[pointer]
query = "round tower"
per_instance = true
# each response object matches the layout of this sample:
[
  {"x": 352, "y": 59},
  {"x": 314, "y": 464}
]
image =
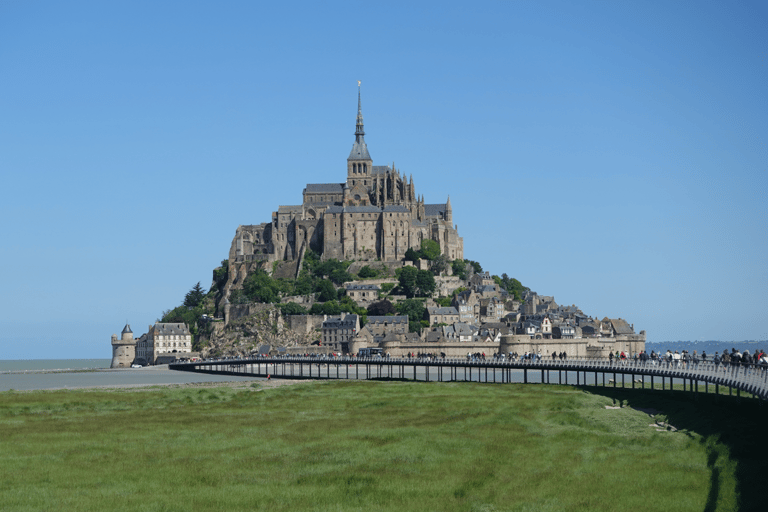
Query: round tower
[{"x": 123, "y": 349}]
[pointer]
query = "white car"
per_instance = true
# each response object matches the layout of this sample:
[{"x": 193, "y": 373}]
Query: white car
[{"x": 136, "y": 366}]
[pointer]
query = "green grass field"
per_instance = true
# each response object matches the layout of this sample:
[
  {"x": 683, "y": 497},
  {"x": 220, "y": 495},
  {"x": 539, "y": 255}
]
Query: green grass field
[{"x": 337, "y": 446}]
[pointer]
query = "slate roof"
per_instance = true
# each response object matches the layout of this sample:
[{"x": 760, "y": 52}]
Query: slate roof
[
  {"x": 388, "y": 319},
  {"x": 338, "y": 323},
  {"x": 363, "y": 287},
  {"x": 442, "y": 311},
  {"x": 324, "y": 188},
  {"x": 359, "y": 151},
  {"x": 296, "y": 208},
  {"x": 434, "y": 210},
  {"x": 165, "y": 329},
  {"x": 335, "y": 209},
  {"x": 362, "y": 209},
  {"x": 127, "y": 329},
  {"x": 380, "y": 169},
  {"x": 396, "y": 208},
  {"x": 620, "y": 326}
]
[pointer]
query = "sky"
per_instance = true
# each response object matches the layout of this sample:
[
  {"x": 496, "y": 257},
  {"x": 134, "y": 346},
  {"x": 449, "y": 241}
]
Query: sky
[{"x": 613, "y": 155}]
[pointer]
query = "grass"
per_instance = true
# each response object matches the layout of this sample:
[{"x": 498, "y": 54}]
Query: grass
[{"x": 337, "y": 446}]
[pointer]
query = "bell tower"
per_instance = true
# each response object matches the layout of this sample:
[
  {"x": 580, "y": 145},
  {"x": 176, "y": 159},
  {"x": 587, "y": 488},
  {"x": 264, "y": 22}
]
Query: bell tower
[{"x": 359, "y": 163}]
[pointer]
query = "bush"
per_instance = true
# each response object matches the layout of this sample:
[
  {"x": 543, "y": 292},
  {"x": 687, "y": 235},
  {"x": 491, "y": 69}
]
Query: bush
[{"x": 367, "y": 272}]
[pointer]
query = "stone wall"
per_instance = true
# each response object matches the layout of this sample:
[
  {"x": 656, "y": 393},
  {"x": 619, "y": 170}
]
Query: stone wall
[
  {"x": 306, "y": 323},
  {"x": 455, "y": 349},
  {"x": 579, "y": 347}
]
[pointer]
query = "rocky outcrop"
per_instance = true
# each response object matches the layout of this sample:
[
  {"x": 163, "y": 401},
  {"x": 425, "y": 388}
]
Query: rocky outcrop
[{"x": 252, "y": 326}]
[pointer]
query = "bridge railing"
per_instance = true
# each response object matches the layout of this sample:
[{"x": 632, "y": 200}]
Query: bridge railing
[{"x": 752, "y": 378}]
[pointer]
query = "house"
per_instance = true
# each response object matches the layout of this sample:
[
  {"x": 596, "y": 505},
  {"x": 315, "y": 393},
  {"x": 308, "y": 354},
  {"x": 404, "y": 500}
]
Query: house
[
  {"x": 442, "y": 315},
  {"x": 339, "y": 331},
  {"x": 459, "y": 332},
  {"x": 164, "y": 342},
  {"x": 363, "y": 292},
  {"x": 468, "y": 306},
  {"x": 380, "y": 326}
]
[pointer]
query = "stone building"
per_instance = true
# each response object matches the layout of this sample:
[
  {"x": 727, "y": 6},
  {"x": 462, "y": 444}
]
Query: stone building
[
  {"x": 123, "y": 349},
  {"x": 164, "y": 342},
  {"x": 375, "y": 215},
  {"x": 338, "y": 332}
]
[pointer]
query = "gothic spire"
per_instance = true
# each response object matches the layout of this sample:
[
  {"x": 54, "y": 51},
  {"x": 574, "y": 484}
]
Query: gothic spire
[
  {"x": 359, "y": 131},
  {"x": 359, "y": 148}
]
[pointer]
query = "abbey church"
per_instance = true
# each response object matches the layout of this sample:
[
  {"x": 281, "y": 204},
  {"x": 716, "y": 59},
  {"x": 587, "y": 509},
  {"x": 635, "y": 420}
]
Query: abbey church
[{"x": 375, "y": 215}]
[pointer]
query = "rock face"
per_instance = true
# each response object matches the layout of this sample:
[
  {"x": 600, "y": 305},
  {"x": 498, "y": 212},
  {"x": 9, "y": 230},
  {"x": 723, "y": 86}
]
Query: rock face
[{"x": 250, "y": 327}]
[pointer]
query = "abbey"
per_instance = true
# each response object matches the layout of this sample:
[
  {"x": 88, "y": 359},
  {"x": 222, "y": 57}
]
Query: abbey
[{"x": 375, "y": 215}]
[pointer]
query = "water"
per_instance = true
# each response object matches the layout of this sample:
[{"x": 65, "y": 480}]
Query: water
[
  {"x": 710, "y": 347},
  {"x": 15, "y": 365}
]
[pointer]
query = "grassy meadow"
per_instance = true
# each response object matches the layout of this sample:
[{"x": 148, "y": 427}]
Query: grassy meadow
[{"x": 338, "y": 446}]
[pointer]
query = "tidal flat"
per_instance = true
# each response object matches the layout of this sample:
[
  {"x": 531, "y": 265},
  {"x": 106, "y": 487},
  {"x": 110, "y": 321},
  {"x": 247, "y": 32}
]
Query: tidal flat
[{"x": 343, "y": 445}]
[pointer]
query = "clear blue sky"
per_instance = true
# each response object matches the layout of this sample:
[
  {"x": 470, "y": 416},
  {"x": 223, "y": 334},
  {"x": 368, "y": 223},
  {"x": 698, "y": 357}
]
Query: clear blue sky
[{"x": 612, "y": 154}]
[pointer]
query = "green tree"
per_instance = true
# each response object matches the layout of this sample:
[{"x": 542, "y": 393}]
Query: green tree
[
  {"x": 381, "y": 308},
  {"x": 367, "y": 272},
  {"x": 194, "y": 297},
  {"x": 425, "y": 283},
  {"x": 444, "y": 302},
  {"x": 438, "y": 265},
  {"x": 325, "y": 291},
  {"x": 340, "y": 276},
  {"x": 477, "y": 268},
  {"x": 411, "y": 255},
  {"x": 291, "y": 308},
  {"x": 221, "y": 274},
  {"x": 331, "y": 307},
  {"x": 407, "y": 280},
  {"x": 415, "y": 310},
  {"x": 303, "y": 285},
  {"x": 259, "y": 287},
  {"x": 459, "y": 268},
  {"x": 347, "y": 304},
  {"x": 429, "y": 249}
]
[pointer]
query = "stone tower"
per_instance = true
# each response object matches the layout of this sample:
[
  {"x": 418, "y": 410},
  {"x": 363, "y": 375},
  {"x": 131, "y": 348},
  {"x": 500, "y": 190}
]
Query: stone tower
[
  {"x": 359, "y": 163},
  {"x": 124, "y": 349}
]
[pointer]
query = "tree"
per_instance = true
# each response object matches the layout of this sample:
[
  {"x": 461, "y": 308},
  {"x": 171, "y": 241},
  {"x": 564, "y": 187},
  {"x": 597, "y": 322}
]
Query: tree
[
  {"x": 340, "y": 276},
  {"x": 459, "y": 268},
  {"x": 221, "y": 274},
  {"x": 291, "y": 308},
  {"x": 303, "y": 285},
  {"x": 411, "y": 255},
  {"x": 415, "y": 310},
  {"x": 478, "y": 269},
  {"x": 439, "y": 265},
  {"x": 259, "y": 287},
  {"x": 425, "y": 283},
  {"x": 325, "y": 291},
  {"x": 194, "y": 297},
  {"x": 407, "y": 280},
  {"x": 429, "y": 249},
  {"x": 367, "y": 272},
  {"x": 381, "y": 308}
]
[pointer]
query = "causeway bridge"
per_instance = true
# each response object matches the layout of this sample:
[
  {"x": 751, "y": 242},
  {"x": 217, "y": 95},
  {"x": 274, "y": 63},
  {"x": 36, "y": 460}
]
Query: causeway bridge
[{"x": 703, "y": 376}]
